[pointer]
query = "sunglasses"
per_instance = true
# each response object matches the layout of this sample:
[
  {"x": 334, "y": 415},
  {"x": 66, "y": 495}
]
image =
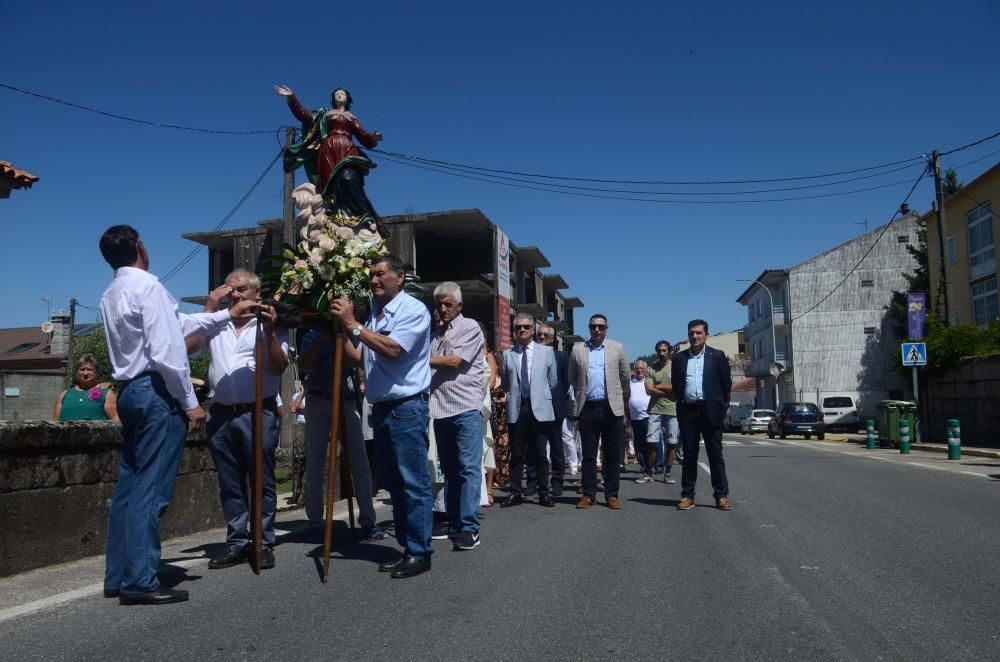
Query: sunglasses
[
  {"x": 598, "y": 326},
  {"x": 522, "y": 327},
  {"x": 545, "y": 335}
]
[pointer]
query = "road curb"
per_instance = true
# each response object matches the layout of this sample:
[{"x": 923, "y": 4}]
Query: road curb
[{"x": 943, "y": 448}]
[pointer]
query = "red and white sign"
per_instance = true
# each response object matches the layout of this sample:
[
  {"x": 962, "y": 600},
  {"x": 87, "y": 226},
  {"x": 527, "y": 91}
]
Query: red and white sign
[{"x": 503, "y": 290}]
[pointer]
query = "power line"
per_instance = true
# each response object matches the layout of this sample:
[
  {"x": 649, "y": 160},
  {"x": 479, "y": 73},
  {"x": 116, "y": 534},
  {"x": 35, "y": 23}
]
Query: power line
[
  {"x": 972, "y": 144},
  {"x": 870, "y": 248},
  {"x": 225, "y": 219},
  {"x": 129, "y": 119},
  {"x": 546, "y": 188}
]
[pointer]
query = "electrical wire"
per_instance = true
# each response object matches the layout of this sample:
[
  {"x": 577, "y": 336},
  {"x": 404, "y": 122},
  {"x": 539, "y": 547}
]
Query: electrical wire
[
  {"x": 545, "y": 188},
  {"x": 225, "y": 219},
  {"x": 972, "y": 144},
  {"x": 870, "y": 248},
  {"x": 130, "y": 119}
]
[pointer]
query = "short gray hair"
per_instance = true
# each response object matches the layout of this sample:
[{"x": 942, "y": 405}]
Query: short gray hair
[
  {"x": 640, "y": 362},
  {"x": 251, "y": 276},
  {"x": 449, "y": 287},
  {"x": 524, "y": 316}
]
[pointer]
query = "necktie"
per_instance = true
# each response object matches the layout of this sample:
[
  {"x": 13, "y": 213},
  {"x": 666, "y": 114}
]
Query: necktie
[{"x": 525, "y": 385}]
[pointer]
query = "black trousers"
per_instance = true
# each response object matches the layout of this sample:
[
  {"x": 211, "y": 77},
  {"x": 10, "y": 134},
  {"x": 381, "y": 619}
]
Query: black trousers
[
  {"x": 557, "y": 461},
  {"x": 695, "y": 426},
  {"x": 599, "y": 424},
  {"x": 527, "y": 444}
]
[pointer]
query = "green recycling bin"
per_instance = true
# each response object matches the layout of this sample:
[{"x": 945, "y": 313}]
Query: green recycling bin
[{"x": 888, "y": 413}]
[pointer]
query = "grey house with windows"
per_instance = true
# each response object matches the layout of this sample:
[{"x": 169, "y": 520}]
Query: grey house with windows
[{"x": 830, "y": 321}]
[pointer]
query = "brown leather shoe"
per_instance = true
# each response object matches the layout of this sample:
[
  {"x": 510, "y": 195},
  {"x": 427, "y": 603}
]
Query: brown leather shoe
[
  {"x": 614, "y": 503},
  {"x": 722, "y": 503},
  {"x": 685, "y": 504},
  {"x": 585, "y": 502}
]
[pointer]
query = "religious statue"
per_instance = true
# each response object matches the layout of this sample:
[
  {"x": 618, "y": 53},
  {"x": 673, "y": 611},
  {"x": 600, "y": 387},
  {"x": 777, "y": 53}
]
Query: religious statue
[{"x": 340, "y": 231}]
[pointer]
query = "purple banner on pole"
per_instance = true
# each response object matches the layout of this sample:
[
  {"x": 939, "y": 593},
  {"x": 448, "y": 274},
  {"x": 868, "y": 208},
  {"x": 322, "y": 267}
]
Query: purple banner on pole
[{"x": 916, "y": 314}]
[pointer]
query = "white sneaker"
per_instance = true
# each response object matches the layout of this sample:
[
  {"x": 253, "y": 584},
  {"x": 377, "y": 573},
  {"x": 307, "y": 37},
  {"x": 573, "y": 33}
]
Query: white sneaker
[
  {"x": 644, "y": 479},
  {"x": 668, "y": 479}
]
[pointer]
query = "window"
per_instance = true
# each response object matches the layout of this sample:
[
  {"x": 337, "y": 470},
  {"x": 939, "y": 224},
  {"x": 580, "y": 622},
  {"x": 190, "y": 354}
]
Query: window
[
  {"x": 952, "y": 252},
  {"x": 982, "y": 257},
  {"x": 867, "y": 283},
  {"x": 903, "y": 239},
  {"x": 838, "y": 402},
  {"x": 870, "y": 330},
  {"x": 23, "y": 347},
  {"x": 984, "y": 301}
]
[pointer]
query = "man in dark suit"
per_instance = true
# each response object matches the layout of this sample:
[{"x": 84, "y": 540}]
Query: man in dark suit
[{"x": 702, "y": 382}]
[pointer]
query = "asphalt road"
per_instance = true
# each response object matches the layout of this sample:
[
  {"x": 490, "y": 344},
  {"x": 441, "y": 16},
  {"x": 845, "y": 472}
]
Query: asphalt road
[{"x": 832, "y": 552}]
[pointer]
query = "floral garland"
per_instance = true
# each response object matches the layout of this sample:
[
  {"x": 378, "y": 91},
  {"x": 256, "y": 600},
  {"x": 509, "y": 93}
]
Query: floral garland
[{"x": 331, "y": 261}]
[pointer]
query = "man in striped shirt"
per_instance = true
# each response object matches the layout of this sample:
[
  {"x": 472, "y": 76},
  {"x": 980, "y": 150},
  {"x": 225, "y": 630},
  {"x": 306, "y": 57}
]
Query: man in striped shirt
[{"x": 456, "y": 404}]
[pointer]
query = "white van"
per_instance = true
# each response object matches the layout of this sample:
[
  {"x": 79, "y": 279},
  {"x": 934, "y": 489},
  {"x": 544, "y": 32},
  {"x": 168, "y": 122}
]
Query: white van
[{"x": 841, "y": 412}]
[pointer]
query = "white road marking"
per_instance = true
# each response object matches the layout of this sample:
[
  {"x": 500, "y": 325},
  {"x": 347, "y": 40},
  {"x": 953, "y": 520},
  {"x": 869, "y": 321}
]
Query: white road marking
[
  {"x": 705, "y": 467},
  {"x": 732, "y": 443},
  {"x": 765, "y": 443}
]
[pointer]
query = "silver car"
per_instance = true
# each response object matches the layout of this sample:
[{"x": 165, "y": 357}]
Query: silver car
[{"x": 757, "y": 421}]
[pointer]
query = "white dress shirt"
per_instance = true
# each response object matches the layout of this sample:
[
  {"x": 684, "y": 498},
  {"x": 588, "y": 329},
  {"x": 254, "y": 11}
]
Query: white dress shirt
[
  {"x": 232, "y": 372},
  {"x": 145, "y": 331}
]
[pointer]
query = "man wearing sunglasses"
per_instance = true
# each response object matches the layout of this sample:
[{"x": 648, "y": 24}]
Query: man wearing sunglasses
[
  {"x": 529, "y": 377},
  {"x": 600, "y": 376}
]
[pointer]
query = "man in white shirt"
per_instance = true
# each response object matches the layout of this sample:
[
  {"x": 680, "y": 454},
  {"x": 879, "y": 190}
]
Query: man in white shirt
[
  {"x": 157, "y": 408},
  {"x": 232, "y": 376}
]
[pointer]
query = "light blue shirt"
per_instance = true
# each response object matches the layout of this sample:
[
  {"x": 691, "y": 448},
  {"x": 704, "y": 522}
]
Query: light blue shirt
[
  {"x": 407, "y": 322},
  {"x": 694, "y": 389},
  {"x": 596, "y": 387}
]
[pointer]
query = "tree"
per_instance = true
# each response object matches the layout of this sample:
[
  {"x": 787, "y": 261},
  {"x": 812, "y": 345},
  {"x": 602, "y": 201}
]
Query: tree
[
  {"x": 950, "y": 183},
  {"x": 918, "y": 281}
]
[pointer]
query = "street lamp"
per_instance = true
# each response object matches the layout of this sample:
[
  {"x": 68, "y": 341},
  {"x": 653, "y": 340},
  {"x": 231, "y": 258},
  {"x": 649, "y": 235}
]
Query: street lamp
[{"x": 776, "y": 367}]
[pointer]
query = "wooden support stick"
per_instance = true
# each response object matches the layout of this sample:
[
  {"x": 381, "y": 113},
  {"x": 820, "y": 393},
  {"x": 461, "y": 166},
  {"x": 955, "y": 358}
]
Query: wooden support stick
[
  {"x": 331, "y": 466},
  {"x": 258, "y": 447}
]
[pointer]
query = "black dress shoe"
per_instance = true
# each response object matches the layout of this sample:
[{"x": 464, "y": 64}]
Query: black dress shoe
[
  {"x": 161, "y": 596},
  {"x": 546, "y": 501},
  {"x": 231, "y": 558},
  {"x": 512, "y": 500},
  {"x": 556, "y": 491},
  {"x": 266, "y": 558},
  {"x": 111, "y": 593},
  {"x": 391, "y": 566},
  {"x": 411, "y": 567}
]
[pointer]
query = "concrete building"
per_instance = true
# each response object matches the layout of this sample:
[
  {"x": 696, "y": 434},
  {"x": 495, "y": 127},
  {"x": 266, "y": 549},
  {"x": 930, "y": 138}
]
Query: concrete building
[
  {"x": 969, "y": 248},
  {"x": 831, "y": 344},
  {"x": 460, "y": 245}
]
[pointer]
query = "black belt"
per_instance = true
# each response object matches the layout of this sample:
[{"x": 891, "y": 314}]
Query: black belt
[
  {"x": 398, "y": 401},
  {"x": 242, "y": 408},
  {"x": 596, "y": 402}
]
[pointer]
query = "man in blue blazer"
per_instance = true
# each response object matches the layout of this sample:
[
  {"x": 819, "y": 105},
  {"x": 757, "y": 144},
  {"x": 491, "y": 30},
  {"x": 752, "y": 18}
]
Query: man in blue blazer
[
  {"x": 529, "y": 376},
  {"x": 702, "y": 382}
]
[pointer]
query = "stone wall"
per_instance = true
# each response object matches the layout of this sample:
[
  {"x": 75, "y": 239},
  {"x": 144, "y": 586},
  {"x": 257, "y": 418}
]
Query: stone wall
[
  {"x": 56, "y": 481},
  {"x": 969, "y": 392}
]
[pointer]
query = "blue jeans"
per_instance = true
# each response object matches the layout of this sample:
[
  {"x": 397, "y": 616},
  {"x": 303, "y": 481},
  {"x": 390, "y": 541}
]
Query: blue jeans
[
  {"x": 153, "y": 432},
  {"x": 401, "y": 446},
  {"x": 230, "y": 438},
  {"x": 460, "y": 449}
]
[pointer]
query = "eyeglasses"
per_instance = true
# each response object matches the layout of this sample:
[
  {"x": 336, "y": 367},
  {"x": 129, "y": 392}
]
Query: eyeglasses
[
  {"x": 598, "y": 326},
  {"x": 545, "y": 335},
  {"x": 522, "y": 327}
]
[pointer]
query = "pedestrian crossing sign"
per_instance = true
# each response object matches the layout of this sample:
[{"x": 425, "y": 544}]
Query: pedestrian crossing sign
[{"x": 914, "y": 353}]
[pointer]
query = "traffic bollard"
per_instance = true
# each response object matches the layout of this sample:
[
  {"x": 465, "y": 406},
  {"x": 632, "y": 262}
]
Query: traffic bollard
[
  {"x": 870, "y": 443},
  {"x": 904, "y": 437},
  {"x": 954, "y": 439}
]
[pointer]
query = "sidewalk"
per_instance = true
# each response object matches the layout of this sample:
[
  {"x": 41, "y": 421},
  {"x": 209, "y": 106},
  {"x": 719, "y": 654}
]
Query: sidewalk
[
  {"x": 967, "y": 451},
  {"x": 51, "y": 586}
]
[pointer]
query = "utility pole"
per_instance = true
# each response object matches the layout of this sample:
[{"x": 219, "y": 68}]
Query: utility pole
[
  {"x": 939, "y": 197},
  {"x": 69, "y": 341},
  {"x": 288, "y": 237}
]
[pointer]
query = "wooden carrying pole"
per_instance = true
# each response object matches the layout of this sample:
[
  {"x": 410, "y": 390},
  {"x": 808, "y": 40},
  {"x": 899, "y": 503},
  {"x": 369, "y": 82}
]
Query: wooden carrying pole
[
  {"x": 258, "y": 447},
  {"x": 331, "y": 464}
]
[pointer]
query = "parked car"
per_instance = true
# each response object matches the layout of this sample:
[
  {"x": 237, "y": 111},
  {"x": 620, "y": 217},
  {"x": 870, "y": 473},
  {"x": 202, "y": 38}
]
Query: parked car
[
  {"x": 757, "y": 421},
  {"x": 803, "y": 418},
  {"x": 734, "y": 417},
  {"x": 841, "y": 411}
]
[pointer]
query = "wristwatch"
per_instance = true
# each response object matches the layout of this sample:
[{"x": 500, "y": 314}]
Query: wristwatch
[{"x": 356, "y": 331}]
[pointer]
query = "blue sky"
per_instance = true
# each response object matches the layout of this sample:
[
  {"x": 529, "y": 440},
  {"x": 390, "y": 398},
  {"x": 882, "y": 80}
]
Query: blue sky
[{"x": 643, "y": 91}]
